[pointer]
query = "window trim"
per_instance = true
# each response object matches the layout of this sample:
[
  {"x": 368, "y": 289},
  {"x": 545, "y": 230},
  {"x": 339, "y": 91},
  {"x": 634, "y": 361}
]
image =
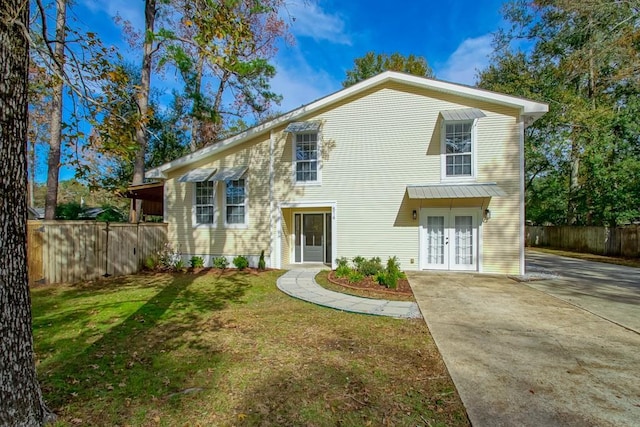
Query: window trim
[
  {"x": 245, "y": 224},
  {"x": 443, "y": 152},
  {"x": 294, "y": 144},
  {"x": 194, "y": 210}
]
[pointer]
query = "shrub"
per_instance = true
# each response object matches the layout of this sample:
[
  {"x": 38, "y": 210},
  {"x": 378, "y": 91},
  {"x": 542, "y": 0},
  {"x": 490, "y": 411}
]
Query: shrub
[
  {"x": 342, "y": 262},
  {"x": 221, "y": 262},
  {"x": 168, "y": 257},
  {"x": 355, "y": 276},
  {"x": 196, "y": 262},
  {"x": 179, "y": 265},
  {"x": 261, "y": 263},
  {"x": 393, "y": 267},
  {"x": 151, "y": 262},
  {"x": 357, "y": 262},
  {"x": 343, "y": 270},
  {"x": 241, "y": 262},
  {"x": 389, "y": 277},
  {"x": 370, "y": 267}
]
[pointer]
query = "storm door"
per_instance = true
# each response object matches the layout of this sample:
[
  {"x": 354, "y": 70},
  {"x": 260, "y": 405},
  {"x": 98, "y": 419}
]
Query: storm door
[{"x": 311, "y": 243}]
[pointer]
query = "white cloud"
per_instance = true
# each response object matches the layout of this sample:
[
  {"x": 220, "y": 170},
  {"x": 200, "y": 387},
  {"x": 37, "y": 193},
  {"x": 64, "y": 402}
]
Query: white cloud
[
  {"x": 128, "y": 10},
  {"x": 307, "y": 19},
  {"x": 298, "y": 82},
  {"x": 470, "y": 57}
]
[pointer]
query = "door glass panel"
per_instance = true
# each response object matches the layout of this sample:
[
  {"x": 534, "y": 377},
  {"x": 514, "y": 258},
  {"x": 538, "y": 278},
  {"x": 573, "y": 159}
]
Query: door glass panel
[
  {"x": 435, "y": 240},
  {"x": 463, "y": 240},
  {"x": 298, "y": 237},
  {"x": 313, "y": 236},
  {"x": 327, "y": 231}
]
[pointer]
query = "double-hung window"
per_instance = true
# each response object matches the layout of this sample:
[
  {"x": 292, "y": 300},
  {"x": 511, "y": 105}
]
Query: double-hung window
[
  {"x": 458, "y": 149},
  {"x": 236, "y": 202},
  {"x": 306, "y": 157},
  {"x": 205, "y": 202}
]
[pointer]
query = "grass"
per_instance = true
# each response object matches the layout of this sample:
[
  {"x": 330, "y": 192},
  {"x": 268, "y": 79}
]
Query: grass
[
  {"x": 322, "y": 279},
  {"x": 629, "y": 262},
  {"x": 204, "y": 349}
]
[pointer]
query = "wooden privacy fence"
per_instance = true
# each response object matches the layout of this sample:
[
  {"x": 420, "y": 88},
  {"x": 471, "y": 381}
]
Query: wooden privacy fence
[
  {"x": 619, "y": 241},
  {"x": 73, "y": 251}
]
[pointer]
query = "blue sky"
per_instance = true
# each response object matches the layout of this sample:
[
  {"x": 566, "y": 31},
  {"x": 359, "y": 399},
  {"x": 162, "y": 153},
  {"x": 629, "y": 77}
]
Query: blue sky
[{"x": 454, "y": 37}]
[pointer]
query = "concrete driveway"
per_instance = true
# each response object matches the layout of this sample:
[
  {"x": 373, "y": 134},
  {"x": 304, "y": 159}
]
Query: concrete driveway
[
  {"x": 521, "y": 357},
  {"x": 607, "y": 290}
]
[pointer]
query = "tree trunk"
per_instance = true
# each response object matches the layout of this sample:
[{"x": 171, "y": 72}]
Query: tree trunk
[
  {"x": 142, "y": 99},
  {"x": 574, "y": 184},
  {"x": 55, "y": 141},
  {"x": 21, "y": 401},
  {"x": 197, "y": 140}
]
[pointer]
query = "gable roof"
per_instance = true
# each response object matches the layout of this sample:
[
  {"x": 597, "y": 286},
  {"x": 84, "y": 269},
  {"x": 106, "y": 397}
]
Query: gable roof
[{"x": 529, "y": 111}]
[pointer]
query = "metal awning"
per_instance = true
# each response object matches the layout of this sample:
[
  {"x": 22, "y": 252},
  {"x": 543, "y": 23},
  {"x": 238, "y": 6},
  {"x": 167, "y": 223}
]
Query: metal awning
[
  {"x": 454, "y": 191},
  {"x": 198, "y": 175},
  {"x": 462, "y": 114},
  {"x": 300, "y": 127},
  {"x": 229, "y": 174}
]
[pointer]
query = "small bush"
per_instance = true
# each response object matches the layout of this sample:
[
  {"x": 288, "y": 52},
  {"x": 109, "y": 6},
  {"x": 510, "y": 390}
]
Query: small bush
[
  {"x": 241, "y": 262},
  {"x": 343, "y": 271},
  {"x": 151, "y": 262},
  {"x": 179, "y": 265},
  {"x": 196, "y": 262},
  {"x": 393, "y": 267},
  {"x": 261, "y": 263},
  {"x": 342, "y": 262},
  {"x": 370, "y": 267},
  {"x": 221, "y": 262},
  {"x": 358, "y": 261},
  {"x": 355, "y": 276},
  {"x": 168, "y": 257}
]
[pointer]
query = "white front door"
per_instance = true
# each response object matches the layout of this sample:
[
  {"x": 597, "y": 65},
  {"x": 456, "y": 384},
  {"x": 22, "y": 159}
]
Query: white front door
[{"x": 449, "y": 239}]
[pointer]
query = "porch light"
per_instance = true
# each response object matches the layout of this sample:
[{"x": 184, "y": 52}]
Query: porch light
[
  {"x": 415, "y": 214},
  {"x": 487, "y": 215}
]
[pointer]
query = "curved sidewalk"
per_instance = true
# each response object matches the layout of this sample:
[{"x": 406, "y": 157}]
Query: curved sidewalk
[{"x": 301, "y": 284}]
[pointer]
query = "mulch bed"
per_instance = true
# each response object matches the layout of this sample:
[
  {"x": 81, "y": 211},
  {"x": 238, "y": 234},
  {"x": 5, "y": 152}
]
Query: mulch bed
[{"x": 370, "y": 284}]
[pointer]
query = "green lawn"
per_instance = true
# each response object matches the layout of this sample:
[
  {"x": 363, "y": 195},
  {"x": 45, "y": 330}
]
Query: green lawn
[{"x": 200, "y": 349}]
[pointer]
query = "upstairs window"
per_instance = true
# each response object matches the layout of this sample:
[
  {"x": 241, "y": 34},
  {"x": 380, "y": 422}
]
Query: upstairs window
[
  {"x": 236, "y": 202},
  {"x": 205, "y": 202},
  {"x": 458, "y": 149},
  {"x": 306, "y": 157}
]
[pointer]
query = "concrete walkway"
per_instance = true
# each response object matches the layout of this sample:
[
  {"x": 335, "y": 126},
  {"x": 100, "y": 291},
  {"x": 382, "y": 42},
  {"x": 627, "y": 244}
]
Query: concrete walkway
[
  {"x": 301, "y": 284},
  {"x": 520, "y": 357}
]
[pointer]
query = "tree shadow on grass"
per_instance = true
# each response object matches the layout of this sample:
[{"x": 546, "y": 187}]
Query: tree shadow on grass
[{"x": 152, "y": 353}]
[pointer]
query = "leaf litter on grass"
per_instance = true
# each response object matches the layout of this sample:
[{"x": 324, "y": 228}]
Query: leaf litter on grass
[{"x": 255, "y": 355}]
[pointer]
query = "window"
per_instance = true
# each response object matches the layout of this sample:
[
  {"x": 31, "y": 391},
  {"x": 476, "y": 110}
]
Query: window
[
  {"x": 235, "y": 200},
  {"x": 306, "y": 157},
  {"x": 205, "y": 202},
  {"x": 458, "y": 149}
]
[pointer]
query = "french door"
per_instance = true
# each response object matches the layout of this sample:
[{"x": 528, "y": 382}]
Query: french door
[{"x": 449, "y": 239}]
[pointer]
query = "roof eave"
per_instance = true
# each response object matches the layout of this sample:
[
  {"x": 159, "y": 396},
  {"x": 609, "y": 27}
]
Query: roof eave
[{"x": 526, "y": 107}]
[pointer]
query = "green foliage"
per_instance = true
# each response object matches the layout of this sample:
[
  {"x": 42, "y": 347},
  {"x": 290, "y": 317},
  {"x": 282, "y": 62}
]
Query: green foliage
[
  {"x": 261, "y": 261},
  {"x": 343, "y": 271},
  {"x": 372, "y": 64},
  {"x": 391, "y": 274},
  {"x": 69, "y": 211},
  {"x": 221, "y": 262},
  {"x": 582, "y": 158},
  {"x": 355, "y": 276},
  {"x": 111, "y": 214},
  {"x": 241, "y": 262},
  {"x": 196, "y": 262},
  {"x": 178, "y": 265},
  {"x": 151, "y": 262},
  {"x": 368, "y": 267},
  {"x": 342, "y": 262}
]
